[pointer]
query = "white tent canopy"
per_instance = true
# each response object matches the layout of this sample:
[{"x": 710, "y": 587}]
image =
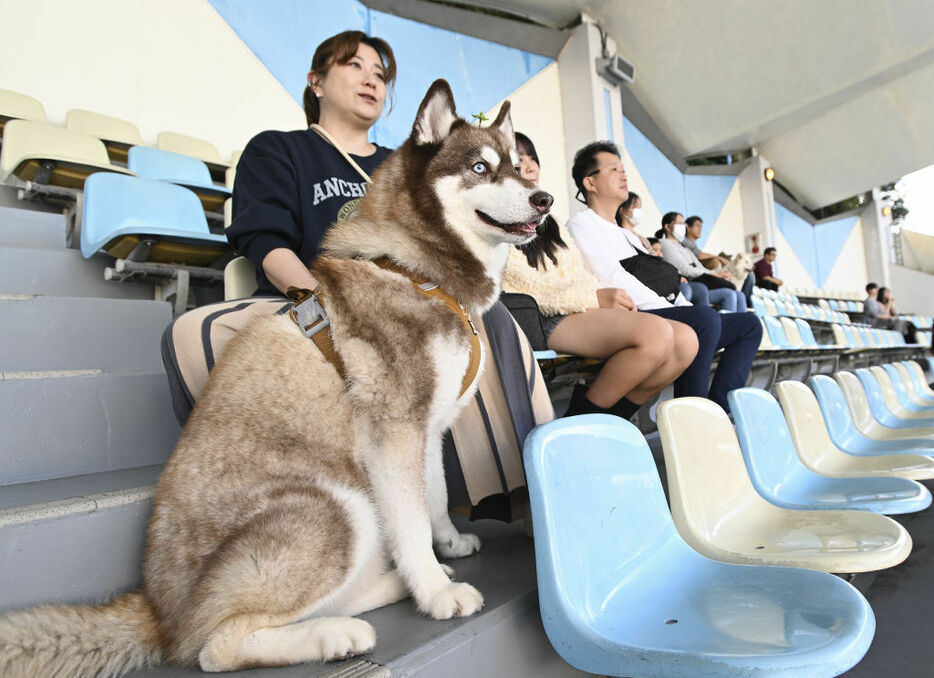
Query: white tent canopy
[{"x": 838, "y": 95}]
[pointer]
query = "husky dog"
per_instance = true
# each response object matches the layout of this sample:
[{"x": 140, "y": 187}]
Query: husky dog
[{"x": 296, "y": 499}]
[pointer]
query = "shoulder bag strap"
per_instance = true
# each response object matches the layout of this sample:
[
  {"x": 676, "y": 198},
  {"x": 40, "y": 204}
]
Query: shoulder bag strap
[{"x": 328, "y": 138}]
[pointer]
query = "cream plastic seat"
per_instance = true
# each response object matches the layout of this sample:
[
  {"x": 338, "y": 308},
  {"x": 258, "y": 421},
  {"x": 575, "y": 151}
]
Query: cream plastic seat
[
  {"x": 861, "y": 414},
  {"x": 19, "y": 106},
  {"x": 922, "y": 380},
  {"x": 72, "y": 156},
  {"x": 818, "y": 452},
  {"x": 117, "y": 134},
  {"x": 231, "y": 172},
  {"x": 791, "y": 332},
  {"x": 719, "y": 514},
  {"x": 919, "y": 418},
  {"x": 239, "y": 279},
  {"x": 770, "y": 307}
]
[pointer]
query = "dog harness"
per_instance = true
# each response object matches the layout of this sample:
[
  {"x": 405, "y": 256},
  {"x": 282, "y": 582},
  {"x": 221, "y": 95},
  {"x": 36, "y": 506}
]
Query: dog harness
[{"x": 308, "y": 313}]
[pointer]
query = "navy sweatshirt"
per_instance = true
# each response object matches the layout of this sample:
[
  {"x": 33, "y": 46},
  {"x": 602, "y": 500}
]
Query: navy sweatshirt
[{"x": 289, "y": 188}]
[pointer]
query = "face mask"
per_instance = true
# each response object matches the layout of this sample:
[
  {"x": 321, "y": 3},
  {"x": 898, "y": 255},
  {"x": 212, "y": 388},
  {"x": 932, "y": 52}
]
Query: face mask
[
  {"x": 636, "y": 217},
  {"x": 679, "y": 231}
]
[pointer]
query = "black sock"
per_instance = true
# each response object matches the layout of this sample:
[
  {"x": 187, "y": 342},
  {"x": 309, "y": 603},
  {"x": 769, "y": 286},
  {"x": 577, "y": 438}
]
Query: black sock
[
  {"x": 581, "y": 404},
  {"x": 624, "y": 408}
]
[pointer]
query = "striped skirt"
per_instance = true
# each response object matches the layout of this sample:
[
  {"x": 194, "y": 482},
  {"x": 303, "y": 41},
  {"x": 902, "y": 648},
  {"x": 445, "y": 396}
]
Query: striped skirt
[{"x": 483, "y": 450}]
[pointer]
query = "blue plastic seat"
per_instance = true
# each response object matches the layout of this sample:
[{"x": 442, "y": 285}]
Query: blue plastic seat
[
  {"x": 904, "y": 395},
  {"x": 922, "y": 389},
  {"x": 779, "y": 339},
  {"x": 853, "y": 338},
  {"x": 184, "y": 170},
  {"x": 880, "y": 409},
  {"x": 121, "y": 211},
  {"x": 779, "y": 475},
  {"x": 807, "y": 335},
  {"x": 621, "y": 593},
  {"x": 843, "y": 431},
  {"x": 758, "y": 307}
]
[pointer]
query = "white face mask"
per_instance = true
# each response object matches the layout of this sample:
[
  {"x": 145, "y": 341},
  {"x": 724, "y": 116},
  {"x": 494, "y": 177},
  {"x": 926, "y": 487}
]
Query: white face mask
[
  {"x": 679, "y": 231},
  {"x": 636, "y": 217}
]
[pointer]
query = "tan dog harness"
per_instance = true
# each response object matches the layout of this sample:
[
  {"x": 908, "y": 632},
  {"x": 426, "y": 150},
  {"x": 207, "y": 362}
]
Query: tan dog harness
[{"x": 311, "y": 318}]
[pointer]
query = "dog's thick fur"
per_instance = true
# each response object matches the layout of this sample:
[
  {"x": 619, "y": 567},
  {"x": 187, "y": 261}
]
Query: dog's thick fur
[
  {"x": 295, "y": 500},
  {"x": 739, "y": 267}
]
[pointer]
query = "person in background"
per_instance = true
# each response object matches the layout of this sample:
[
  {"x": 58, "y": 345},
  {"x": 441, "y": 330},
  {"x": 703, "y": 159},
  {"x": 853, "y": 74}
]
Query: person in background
[
  {"x": 880, "y": 311},
  {"x": 720, "y": 289},
  {"x": 601, "y": 184},
  {"x": 628, "y": 216},
  {"x": 695, "y": 227},
  {"x": 765, "y": 277},
  {"x": 643, "y": 354}
]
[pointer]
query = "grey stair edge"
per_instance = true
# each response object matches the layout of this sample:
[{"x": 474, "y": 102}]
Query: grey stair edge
[{"x": 71, "y": 495}]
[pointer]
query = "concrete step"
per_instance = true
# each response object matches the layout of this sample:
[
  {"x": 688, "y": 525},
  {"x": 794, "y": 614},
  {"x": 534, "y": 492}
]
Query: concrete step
[
  {"x": 62, "y": 272},
  {"x": 75, "y": 333},
  {"x": 83, "y": 421},
  {"x": 505, "y": 639},
  {"x": 76, "y": 539},
  {"x": 31, "y": 228}
]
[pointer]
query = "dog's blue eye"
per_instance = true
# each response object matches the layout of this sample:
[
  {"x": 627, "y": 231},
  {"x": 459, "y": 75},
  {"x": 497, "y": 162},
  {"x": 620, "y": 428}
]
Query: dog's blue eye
[{"x": 479, "y": 168}]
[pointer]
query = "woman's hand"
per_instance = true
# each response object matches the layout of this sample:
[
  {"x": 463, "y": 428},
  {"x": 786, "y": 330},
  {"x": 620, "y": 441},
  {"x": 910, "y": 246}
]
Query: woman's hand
[
  {"x": 614, "y": 298},
  {"x": 284, "y": 269}
]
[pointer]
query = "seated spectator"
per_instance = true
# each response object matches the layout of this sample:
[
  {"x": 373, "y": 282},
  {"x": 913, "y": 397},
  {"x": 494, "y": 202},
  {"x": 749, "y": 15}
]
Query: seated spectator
[
  {"x": 721, "y": 290},
  {"x": 695, "y": 226},
  {"x": 879, "y": 309},
  {"x": 643, "y": 354},
  {"x": 628, "y": 216},
  {"x": 765, "y": 277},
  {"x": 601, "y": 180}
]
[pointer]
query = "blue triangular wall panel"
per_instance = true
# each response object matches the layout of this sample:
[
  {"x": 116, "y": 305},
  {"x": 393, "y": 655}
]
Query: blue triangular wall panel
[{"x": 283, "y": 34}]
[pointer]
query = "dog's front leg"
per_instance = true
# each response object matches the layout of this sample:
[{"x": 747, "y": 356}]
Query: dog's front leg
[
  {"x": 395, "y": 464},
  {"x": 449, "y": 543}
]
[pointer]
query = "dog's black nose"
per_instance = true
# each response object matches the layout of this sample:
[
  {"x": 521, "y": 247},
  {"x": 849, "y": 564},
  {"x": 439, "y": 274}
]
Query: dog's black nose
[{"x": 541, "y": 201}]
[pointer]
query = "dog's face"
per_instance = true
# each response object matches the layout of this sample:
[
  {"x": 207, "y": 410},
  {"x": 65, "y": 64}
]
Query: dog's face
[
  {"x": 742, "y": 263},
  {"x": 474, "y": 172}
]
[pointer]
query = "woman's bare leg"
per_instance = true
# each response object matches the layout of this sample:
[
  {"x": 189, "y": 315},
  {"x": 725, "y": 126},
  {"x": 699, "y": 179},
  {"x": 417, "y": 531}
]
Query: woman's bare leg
[
  {"x": 682, "y": 354},
  {"x": 633, "y": 344}
]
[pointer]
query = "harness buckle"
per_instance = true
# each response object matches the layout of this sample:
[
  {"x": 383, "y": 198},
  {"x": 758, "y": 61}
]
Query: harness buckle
[{"x": 310, "y": 316}]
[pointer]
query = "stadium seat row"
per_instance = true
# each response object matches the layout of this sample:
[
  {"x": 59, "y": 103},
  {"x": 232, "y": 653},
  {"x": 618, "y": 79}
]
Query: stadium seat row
[
  {"x": 783, "y": 490},
  {"x": 116, "y": 134}
]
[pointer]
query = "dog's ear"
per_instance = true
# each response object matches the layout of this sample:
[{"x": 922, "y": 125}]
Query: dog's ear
[
  {"x": 436, "y": 115},
  {"x": 503, "y": 123}
]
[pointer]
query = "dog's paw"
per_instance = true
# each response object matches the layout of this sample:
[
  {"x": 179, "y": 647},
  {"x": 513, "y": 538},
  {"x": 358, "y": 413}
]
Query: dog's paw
[
  {"x": 454, "y": 600},
  {"x": 343, "y": 638},
  {"x": 448, "y": 570},
  {"x": 458, "y": 546}
]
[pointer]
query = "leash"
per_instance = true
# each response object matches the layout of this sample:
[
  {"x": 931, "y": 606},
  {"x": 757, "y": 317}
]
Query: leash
[{"x": 309, "y": 315}]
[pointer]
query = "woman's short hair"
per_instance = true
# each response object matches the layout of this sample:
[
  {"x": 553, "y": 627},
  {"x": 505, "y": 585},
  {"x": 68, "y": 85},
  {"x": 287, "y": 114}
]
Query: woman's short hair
[
  {"x": 670, "y": 218},
  {"x": 626, "y": 205},
  {"x": 340, "y": 49},
  {"x": 525, "y": 146}
]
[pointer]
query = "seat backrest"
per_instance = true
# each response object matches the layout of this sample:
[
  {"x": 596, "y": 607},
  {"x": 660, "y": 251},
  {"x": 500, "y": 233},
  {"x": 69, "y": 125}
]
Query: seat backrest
[
  {"x": 776, "y": 333},
  {"x": 834, "y": 408},
  {"x": 103, "y": 127},
  {"x": 901, "y": 382},
  {"x": 119, "y": 203},
  {"x": 853, "y": 337},
  {"x": 706, "y": 474},
  {"x": 758, "y": 307},
  {"x": 807, "y": 336},
  {"x": 804, "y": 420},
  {"x": 186, "y": 145},
  {"x": 856, "y": 400},
  {"x": 915, "y": 374},
  {"x": 824, "y": 304},
  {"x": 865, "y": 336},
  {"x": 791, "y": 332},
  {"x": 765, "y": 441},
  {"x": 765, "y": 343},
  {"x": 239, "y": 279},
  {"x": 598, "y": 506},
  {"x": 19, "y": 106},
  {"x": 839, "y": 337},
  {"x": 834, "y": 305},
  {"x": 155, "y": 163},
  {"x": 27, "y": 139},
  {"x": 770, "y": 307}
]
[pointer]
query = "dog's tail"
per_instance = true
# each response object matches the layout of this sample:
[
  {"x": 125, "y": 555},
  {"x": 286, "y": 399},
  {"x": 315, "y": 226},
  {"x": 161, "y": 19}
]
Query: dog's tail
[{"x": 90, "y": 642}]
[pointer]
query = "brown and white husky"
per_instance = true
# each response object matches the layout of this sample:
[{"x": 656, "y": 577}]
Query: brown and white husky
[{"x": 296, "y": 499}]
